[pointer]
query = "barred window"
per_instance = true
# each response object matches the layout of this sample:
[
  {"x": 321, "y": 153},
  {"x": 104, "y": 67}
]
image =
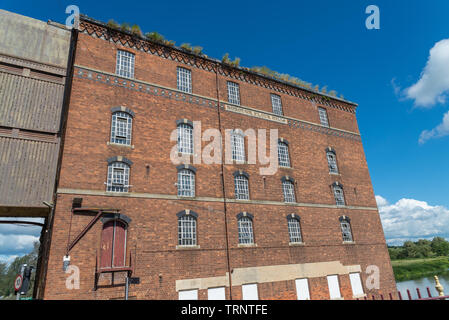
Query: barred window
[
  {"x": 186, "y": 183},
  {"x": 184, "y": 80},
  {"x": 294, "y": 229},
  {"x": 323, "y": 117},
  {"x": 238, "y": 146},
  {"x": 245, "y": 226},
  {"x": 186, "y": 230},
  {"x": 284, "y": 159},
  {"x": 125, "y": 64},
  {"x": 289, "y": 191},
  {"x": 185, "y": 138},
  {"x": 241, "y": 187},
  {"x": 233, "y": 93},
  {"x": 346, "y": 232},
  {"x": 339, "y": 196},
  {"x": 121, "y": 128},
  {"x": 276, "y": 103},
  {"x": 118, "y": 177},
  {"x": 332, "y": 162}
]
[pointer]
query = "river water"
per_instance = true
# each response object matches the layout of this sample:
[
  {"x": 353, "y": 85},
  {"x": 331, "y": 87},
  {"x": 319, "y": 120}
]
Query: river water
[{"x": 422, "y": 284}]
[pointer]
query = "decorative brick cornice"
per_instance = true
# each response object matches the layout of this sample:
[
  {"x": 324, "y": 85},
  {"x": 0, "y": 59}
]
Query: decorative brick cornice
[
  {"x": 157, "y": 90},
  {"x": 102, "y": 31}
]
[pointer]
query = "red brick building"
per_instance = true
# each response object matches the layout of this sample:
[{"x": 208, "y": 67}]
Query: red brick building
[{"x": 206, "y": 230}]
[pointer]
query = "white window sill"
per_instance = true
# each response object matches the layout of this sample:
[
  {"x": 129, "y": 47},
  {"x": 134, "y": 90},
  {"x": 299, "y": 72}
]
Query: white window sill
[
  {"x": 243, "y": 200},
  {"x": 359, "y": 296},
  {"x": 339, "y": 298},
  {"x": 296, "y": 244},
  {"x": 285, "y": 167},
  {"x": 243, "y": 245},
  {"x": 186, "y": 198},
  {"x": 334, "y": 173},
  {"x": 348, "y": 242},
  {"x": 120, "y": 145},
  {"x": 187, "y": 247}
]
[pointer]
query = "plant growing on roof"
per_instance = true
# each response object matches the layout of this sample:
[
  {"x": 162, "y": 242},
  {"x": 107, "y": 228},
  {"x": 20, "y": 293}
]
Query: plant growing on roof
[
  {"x": 197, "y": 50},
  {"x": 125, "y": 27},
  {"x": 155, "y": 36},
  {"x": 226, "y": 59},
  {"x": 186, "y": 46},
  {"x": 135, "y": 29},
  {"x": 112, "y": 24}
]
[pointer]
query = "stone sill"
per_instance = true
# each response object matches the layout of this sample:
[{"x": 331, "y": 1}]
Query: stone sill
[
  {"x": 359, "y": 296},
  {"x": 348, "y": 242},
  {"x": 296, "y": 244},
  {"x": 240, "y": 245},
  {"x": 187, "y": 247},
  {"x": 119, "y": 145}
]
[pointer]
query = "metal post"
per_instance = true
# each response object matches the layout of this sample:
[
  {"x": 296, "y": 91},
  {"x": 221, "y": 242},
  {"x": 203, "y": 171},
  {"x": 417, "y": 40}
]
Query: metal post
[
  {"x": 126, "y": 287},
  {"x": 22, "y": 269}
]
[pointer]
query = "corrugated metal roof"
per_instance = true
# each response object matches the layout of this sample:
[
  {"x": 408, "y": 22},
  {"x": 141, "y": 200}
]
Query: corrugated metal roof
[
  {"x": 30, "y": 103},
  {"x": 27, "y": 171}
]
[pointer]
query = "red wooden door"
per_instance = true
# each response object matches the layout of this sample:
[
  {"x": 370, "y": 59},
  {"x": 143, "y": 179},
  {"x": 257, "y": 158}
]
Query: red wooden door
[
  {"x": 119, "y": 252},
  {"x": 107, "y": 236}
]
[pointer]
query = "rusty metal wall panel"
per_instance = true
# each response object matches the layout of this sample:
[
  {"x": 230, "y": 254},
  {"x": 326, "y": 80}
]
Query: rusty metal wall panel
[
  {"x": 30, "y": 103},
  {"x": 27, "y": 171}
]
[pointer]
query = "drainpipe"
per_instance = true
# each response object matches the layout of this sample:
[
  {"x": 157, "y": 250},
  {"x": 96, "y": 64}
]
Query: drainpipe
[{"x": 228, "y": 260}]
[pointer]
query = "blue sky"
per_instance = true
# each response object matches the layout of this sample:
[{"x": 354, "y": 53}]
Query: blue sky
[{"x": 327, "y": 43}]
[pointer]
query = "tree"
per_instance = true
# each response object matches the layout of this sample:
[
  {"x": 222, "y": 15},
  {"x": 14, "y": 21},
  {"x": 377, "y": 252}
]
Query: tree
[{"x": 440, "y": 246}]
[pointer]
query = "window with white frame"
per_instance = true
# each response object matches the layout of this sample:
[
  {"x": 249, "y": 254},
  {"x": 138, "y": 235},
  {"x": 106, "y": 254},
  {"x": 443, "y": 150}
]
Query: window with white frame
[
  {"x": 125, "y": 64},
  {"x": 186, "y": 183},
  {"x": 121, "y": 128},
  {"x": 188, "y": 295},
  {"x": 233, "y": 93},
  {"x": 356, "y": 284},
  {"x": 289, "y": 191},
  {"x": 339, "y": 195},
  {"x": 238, "y": 146},
  {"x": 184, "y": 80},
  {"x": 245, "y": 229},
  {"x": 185, "y": 138},
  {"x": 294, "y": 229},
  {"x": 186, "y": 230},
  {"x": 302, "y": 289},
  {"x": 346, "y": 231},
  {"x": 334, "y": 287},
  {"x": 332, "y": 161},
  {"x": 249, "y": 292},
  {"x": 118, "y": 177},
  {"x": 323, "y": 117},
  {"x": 276, "y": 103},
  {"x": 216, "y": 293},
  {"x": 283, "y": 156},
  {"x": 241, "y": 187}
]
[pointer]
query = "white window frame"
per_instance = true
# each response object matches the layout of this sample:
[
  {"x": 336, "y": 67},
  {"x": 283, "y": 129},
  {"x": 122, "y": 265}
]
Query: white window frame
[
  {"x": 184, "y": 79},
  {"x": 302, "y": 289},
  {"x": 233, "y": 92},
  {"x": 339, "y": 195},
  {"x": 187, "y": 227},
  {"x": 276, "y": 103},
  {"x": 283, "y": 154},
  {"x": 356, "y": 284},
  {"x": 218, "y": 293},
  {"x": 288, "y": 188},
  {"x": 294, "y": 230},
  {"x": 121, "y": 128},
  {"x": 334, "y": 287},
  {"x": 188, "y": 294},
  {"x": 118, "y": 177},
  {"x": 241, "y": 187},
  {"x": 245, "y": 230},
  {"x": 332, "y": 162},
  {"x": 238, "y": 146},
  {"x": 186, "y": 183},
  {"x": 125, "y": 64},
  {"x": 185, "y": 138},
  {"x": 346, "y": 230},
  {"x": 324, "y": 119},
  {"x": 250, "y": 292}
]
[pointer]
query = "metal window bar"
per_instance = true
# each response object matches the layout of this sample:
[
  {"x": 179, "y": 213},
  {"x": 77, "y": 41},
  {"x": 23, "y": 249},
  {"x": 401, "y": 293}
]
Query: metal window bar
[
  {"x": 121, "y": 128},
  {"x": 238, "y": 146},
  {"x": 241, "y": 187},
  {"x": 245, "y": 230},
  {"x": 186, "y": 231},
  {"x": 294, "y": 231},
  {"x": 339, "y": 196},
  {"x": 118, "y": 177},
  {"x": 283, "y": 156},
  {"x": 186, "y": 183},
  {"x": 323, "y": 117},
  {"x": 185, "y": 138},
  {"x": 125, "y": 64},
  {"x": 184, "y": 80},
  {"x": 233, "y": 93},
  {"x": 276, "y": 103},
  {"x": 346, "y": 231},
  {"x": 289, "y": 191}
]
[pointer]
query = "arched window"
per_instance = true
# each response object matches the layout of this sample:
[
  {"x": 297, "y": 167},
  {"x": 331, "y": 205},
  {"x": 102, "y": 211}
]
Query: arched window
[
  {"x": 332, "y": 160},
  {"x": 186, "y": 181},
  {"x": 113, "y": 243},
  {"x": 238, "y": 145},
  {"x": 118, "y": 175},
  {"x": 288, "y": 188},
  {"x": 185, "y": 137},
  {"x": 338, "y": 194},
  {"x": 346, "y": 232},
  {"x": 187, "y": 228},
  {"x": 294, "y": 228},
  {"x": 245, "y": 228},
  {"x": 283, "y": 156},
  {"x": 241, "y": 185},
  {"x": 121, "y": 127}
]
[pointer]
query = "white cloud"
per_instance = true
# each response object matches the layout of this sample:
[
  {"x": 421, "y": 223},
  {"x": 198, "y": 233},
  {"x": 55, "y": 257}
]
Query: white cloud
[
  {"x": 433, "y": 85},
  {"x": 439, "y": 131},
  {"x": 17, "y": 240},
  {"x": 410, "y": 219}
]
